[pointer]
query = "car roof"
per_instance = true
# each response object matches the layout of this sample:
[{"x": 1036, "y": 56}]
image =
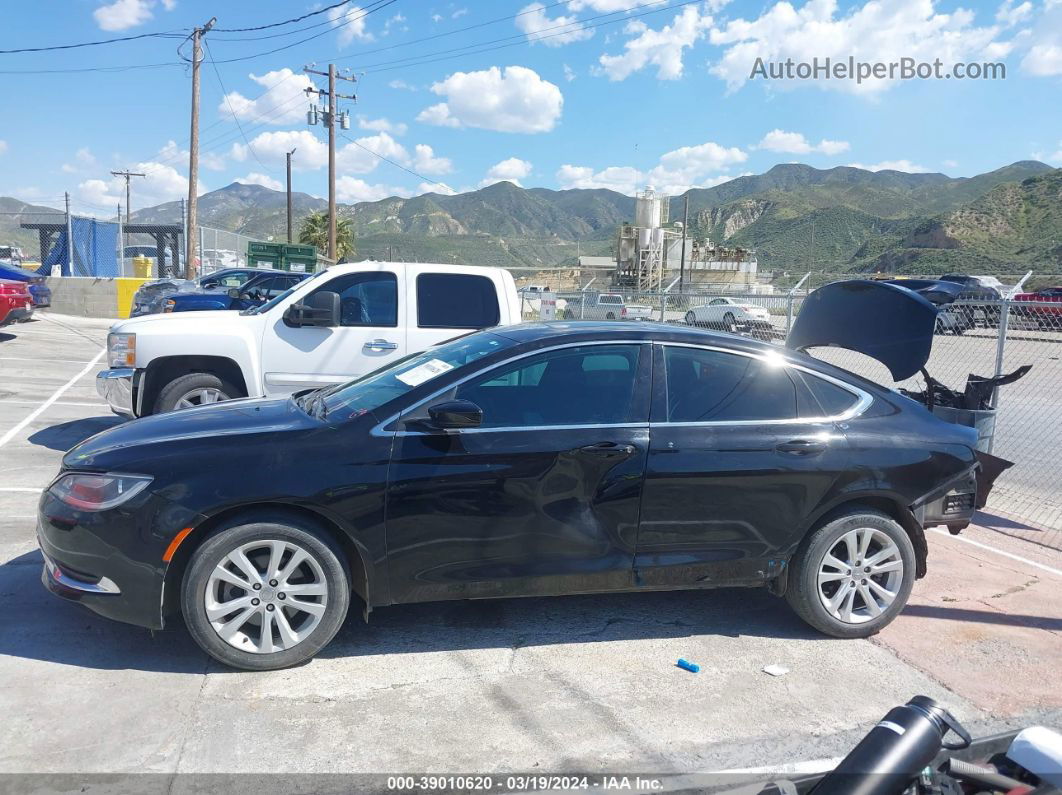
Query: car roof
[{"x": 560, "y": 331}]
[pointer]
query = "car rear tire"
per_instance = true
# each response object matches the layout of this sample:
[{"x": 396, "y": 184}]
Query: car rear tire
[
  {"x": 284, "y": 576},
  {"x": 853, "y": 574},
  {"x": 729, "y": 323},
  {"x": 691, "y": 319},
  {"x": 194, "y": 389},
  {"x": 610, "y": 316}
]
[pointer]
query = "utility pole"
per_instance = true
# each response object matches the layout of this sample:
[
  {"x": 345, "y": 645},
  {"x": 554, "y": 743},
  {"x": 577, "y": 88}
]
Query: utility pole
[
  {"x": 193, "y": 150},
  {"x": 685, "y": 230},
  {"x": 329, "y": 121},
  {"x": 289, "y": 154},
  {"x": 127, "y": 174}
]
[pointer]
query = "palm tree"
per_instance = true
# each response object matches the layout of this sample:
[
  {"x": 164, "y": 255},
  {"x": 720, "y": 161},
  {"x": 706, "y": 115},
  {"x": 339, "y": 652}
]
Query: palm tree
[{"x": 314, "y": 232}]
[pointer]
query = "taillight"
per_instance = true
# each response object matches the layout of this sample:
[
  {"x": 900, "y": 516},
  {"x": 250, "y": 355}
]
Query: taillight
[{"x": 623, "y": 312}]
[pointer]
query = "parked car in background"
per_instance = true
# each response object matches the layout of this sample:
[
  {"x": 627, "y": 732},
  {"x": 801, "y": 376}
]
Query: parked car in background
[
  {"x": 16, "y": 304},
  {"x": 540, "y": 459},
  {"x": 951, "y": 317},
  {"x": 254, "y": 292},
  {"x": 39, "y": 290},
  {"x": 148, "y": 299},
  {"x": 1047, "y": 311},
  {"x": 216, "y": 259},
  {"x": 340, "y": 323},
  {"x": 731, "y": 314},
  {"x": 602, "y": 306}
]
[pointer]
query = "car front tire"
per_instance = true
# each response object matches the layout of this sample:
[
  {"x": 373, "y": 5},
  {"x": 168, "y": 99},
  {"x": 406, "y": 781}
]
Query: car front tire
[
  {"x": 194, "y": 389},
  {"x": 263, "y": 595},
  {"x": 853, "y": 574}
]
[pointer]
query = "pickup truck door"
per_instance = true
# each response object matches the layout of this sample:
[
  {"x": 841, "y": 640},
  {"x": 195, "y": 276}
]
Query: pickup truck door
[{"x": 372, "y": 332}]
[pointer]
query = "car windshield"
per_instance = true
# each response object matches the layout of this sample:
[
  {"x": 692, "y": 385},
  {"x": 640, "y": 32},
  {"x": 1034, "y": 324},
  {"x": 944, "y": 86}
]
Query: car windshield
[
  {"x": 261, "y": 310},
  {"x": 396, "y": 379}
]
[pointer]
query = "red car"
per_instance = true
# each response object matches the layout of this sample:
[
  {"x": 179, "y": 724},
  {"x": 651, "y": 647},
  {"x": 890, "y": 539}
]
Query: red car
[
  {"x": 1046, "y": 316},
  {"x": 16, "y": 303}
]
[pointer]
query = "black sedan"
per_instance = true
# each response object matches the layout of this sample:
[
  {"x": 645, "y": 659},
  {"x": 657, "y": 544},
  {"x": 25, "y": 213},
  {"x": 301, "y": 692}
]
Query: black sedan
[{"x": 528, "y": 460}]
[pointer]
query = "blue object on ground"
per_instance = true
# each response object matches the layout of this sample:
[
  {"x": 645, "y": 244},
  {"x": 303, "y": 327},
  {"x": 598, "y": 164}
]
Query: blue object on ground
[{"x": 688, "y": 666}]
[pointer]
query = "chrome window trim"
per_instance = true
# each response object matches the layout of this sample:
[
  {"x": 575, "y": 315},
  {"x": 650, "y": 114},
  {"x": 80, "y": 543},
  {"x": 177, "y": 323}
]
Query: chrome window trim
[
  {"x": 380, "y": 428},
  {"x": 864, "y": 399}
]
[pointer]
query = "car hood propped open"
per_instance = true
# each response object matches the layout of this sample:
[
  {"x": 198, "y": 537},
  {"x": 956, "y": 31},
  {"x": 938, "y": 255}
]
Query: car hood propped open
[{"x": 884, "y": 321}]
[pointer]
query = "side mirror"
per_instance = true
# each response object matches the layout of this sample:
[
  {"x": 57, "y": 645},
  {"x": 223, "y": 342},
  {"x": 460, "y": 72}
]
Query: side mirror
[
  {"x": 456, "y": 414},
  {"x": 321, "y": 309},
  {"x": 234, "y": 293}
]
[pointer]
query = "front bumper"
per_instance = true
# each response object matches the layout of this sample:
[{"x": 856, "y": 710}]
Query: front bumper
[{"x": 116, "y": 387}]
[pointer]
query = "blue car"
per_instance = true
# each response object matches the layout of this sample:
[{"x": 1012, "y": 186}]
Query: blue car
[
  {"x": 254, "y": 292},
  {"x": 10, "y": 268}
]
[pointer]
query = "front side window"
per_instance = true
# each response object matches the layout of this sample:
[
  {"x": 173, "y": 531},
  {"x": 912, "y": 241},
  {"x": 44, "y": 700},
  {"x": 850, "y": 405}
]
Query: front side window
[
  {"x": 588, "y": 385},
  {"x": 715, "y": 386},
  {"x": 456, "y": 300},
  {"x": 366, "y": 299}
]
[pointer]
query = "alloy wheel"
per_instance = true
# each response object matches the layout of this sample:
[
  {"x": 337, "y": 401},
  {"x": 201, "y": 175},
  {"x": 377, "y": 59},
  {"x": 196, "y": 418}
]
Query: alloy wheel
[
  {"x": 859, "y": 577},
  {"x": 266, "y": 596},
  {"x": 200, "y": 397}
]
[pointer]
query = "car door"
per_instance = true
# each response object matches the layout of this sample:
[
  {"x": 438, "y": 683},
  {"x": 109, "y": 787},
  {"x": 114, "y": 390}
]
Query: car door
[
  {"x": 372, "y": 333},
  {"x": 542, "y": 498},
  {"x": 742, "y": 451}
]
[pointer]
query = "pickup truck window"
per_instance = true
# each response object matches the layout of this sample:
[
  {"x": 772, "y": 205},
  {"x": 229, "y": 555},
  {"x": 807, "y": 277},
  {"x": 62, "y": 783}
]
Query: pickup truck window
[
  {"x": 456, "y": 300},
  {"x": 369, "y": 298}
]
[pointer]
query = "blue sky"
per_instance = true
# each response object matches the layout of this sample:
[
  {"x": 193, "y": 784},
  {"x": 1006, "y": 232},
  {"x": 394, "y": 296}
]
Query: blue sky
[{"x": 579, "y": 93}]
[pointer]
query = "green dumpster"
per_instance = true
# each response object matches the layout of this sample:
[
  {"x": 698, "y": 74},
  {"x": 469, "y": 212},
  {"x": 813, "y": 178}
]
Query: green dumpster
[{"x": 294, "y": 257}]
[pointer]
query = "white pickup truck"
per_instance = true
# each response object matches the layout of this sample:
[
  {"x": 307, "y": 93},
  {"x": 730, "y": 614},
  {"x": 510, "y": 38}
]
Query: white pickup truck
[{"x": 339, "y": 324}]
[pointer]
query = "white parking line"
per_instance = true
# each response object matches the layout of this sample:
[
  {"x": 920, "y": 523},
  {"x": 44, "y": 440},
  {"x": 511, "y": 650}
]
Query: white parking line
[
  {"x": 20, "y": 489},
  {"x": 56, "y": 403},
  {"x": 1010, "y": 555},
  {"x": 39, "y": 361},
  {"x": 7, "y": 437}
]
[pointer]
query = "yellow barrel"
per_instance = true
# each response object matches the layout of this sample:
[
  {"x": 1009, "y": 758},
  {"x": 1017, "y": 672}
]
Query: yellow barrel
[{"x": 142, "y": 267}]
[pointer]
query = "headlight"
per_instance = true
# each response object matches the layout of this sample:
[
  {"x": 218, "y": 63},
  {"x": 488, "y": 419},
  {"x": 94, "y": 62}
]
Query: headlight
[
  {"x": 121, "y": 350},
  {"x": 97, "y": 492}
]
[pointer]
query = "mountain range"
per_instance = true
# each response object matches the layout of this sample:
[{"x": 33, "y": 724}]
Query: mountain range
[{"x": 796, "y": 218}]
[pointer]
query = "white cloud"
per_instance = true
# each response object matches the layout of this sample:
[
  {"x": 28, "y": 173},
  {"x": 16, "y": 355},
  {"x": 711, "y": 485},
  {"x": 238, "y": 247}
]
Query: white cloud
[
  {"x": 1010, "y": 14},
  {"x": 795, "y": 143},
  {"x": 170, "y": 153},
  {"x": 515, "y": 99},
  {"x": 533, "y": 21},
  {"x": 871, "y": 32},
  {"x": 436, "y": 18},
  {"x": 351, "y": 24},
  {"x": 255, "y": 178},
  {"x": 569, "y": 73},
  {"x": 676, "y": 172},
  {"x": 425, "y": 161},
  {"x": 83, "y": 160},
  {"x": 512, "y": 169},
  {"x": 352, "y": 189},
  {"x": 1043, "y": 57},
  {"x": 609, "y": 6},
  {"x": 356, "y": 159},
  {"x": 123, "y": 14},
  {"x": 1043, "y": 60},
  {"x": 169, "y": 5},
  {"x": 311, "y": 154},
  {"x": 396, "y": 20},
  {"x": 893, "y": 165},
  {"x": 951, "y": 164},
  {"x": 381, "y": 125},
  {"x": 401, "y": 85},
  {"x": 660, "y": 48},
  {"x": 3, "y": 146},
  {"x": 459, "y": 13},
  {"x": 283, "y": 102},
  {"x": 162, "y": 183}
]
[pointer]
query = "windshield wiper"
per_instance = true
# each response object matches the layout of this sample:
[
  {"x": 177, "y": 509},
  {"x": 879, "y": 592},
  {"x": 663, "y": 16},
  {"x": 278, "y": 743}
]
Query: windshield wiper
[{"x": 313, "y": 403}]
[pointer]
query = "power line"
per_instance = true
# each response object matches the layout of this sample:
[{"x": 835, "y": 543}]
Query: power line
[
  {"x": 285, "y": 22},
  {"x": 397, "y": 165},
  {"x": 120, "y": 68},
  {"x": 225, "y": 96},
  {"x": 169, "y": 35}
]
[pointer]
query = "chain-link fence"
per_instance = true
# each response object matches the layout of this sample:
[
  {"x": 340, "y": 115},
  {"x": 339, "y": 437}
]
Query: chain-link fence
[
  {"x": 983, "y": 338},
  {"x": 59, "y": 244},
  {"x": 219, "y": 248}
]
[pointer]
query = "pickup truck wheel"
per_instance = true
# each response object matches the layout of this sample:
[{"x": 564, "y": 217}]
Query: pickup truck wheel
[
  {"x": 265, "y": 595},
  {"x": 194, "y": 389},
  {"x": 853, "y": 574}
]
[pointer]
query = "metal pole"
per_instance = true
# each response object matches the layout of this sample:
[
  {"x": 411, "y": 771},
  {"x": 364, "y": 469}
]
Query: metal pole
[
  {"x": 289, "y": 154},
  {"x": 685, "y": 226},
  {"x": 120, "y": 252},
  {"x": 69, "y": 240},
  {"x": 184, "y": 238},
  {"x": 193, "y": 148},
  {"x": 331, "y": 120}
]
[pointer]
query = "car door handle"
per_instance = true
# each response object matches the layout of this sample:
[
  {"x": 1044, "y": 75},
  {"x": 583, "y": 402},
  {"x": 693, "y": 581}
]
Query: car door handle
[
  {"x": 607, "y": 450},
  {"x": 801, "y": 447},
  {"x": 381, "y": 345}
]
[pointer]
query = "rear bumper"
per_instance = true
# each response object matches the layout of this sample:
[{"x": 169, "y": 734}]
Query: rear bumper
[
  {"x": 116, "y": 387},
  {"x": 952, "y": 505},
  {"x": 18, "y": 315}
]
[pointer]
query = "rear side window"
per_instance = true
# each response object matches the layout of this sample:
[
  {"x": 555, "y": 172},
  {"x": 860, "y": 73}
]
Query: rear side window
[
  {"x": 713, "y": 386},
  {"x": 827, "y": 399},
  {"x": 456, "y": 300}
]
